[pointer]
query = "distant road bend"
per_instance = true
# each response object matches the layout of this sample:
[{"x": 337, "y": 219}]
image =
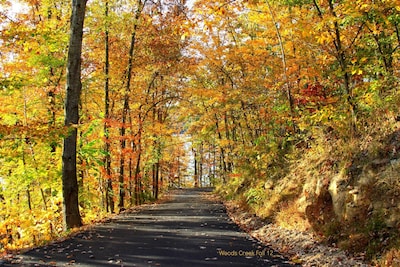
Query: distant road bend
[{"x": 187, "y": 230}]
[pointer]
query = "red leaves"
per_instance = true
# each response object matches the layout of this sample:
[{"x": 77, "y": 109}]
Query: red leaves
[{"x": 313, "y": 96}]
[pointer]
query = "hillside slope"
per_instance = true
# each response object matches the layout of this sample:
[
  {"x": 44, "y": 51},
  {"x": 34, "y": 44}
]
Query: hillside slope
[{"x": 345, "y": 192}]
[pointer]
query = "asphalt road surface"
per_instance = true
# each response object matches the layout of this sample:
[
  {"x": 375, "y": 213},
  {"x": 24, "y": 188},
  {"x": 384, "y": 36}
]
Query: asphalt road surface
[{"x": 187, "y": 230}]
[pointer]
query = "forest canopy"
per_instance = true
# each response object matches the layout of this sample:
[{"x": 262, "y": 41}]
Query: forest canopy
[{"x": 291, "y": 105}]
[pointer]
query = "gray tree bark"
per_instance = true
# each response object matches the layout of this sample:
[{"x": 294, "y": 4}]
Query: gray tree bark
[{"x": 72, "y": 217}]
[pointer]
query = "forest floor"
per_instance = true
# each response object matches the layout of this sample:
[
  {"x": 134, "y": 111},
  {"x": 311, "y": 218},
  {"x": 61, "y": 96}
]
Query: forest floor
[
  {"x": 300, "y": 247},
  {"x": 187, "y": 229}
]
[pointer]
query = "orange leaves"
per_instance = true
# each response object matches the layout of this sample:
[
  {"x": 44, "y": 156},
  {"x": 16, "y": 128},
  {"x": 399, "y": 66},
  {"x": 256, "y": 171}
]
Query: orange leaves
[{"x": 218, "y": 77}]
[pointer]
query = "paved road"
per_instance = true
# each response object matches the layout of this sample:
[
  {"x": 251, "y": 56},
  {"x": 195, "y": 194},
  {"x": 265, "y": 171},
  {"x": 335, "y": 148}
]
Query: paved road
[{"x": 187, "y": 230}]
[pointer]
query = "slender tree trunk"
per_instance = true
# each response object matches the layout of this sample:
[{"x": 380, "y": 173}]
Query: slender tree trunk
[
  {"x": 201, "y": 152},
  {"x": 121, "y": 179},
  {"x": 43, "y": 198},
  {"x": 107, "y": 149},
  {"x": 341, "y": 57},
  {"x": 81, "y": 173},
  {"x": 156, "y": 178},
  {"x": 196, "y": 174},
  {"x": 72, "y": 217},
  {"x": 223, "y": 164},
  {"x": 29, "y": 199},
  {"x": 228, "y": 135},
  {"x": 131, "y": 182},
  {"x": 52, "y": 112},
  {"x": 138, "y": 183},
  {"x": 159, "y": 178},
  {"x": 137, "y": 178},
  {"x": 288, "y": 88},
  {"x": 55, "y": 80},
  {"x": 178, "y": 171},
  {"x": 133, "y": 147},
  {"x": 126, "y": 105}
]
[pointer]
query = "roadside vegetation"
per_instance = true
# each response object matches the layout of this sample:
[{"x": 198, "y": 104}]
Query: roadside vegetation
[{"x": 289, "y": 107}]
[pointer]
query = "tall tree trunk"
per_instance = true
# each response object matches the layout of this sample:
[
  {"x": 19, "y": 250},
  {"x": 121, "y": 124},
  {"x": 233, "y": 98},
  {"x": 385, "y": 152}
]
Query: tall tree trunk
[
  {"x": 342, "y": 60},
  {"x": 131, "y": 181},
  {"x": 138, "y": 182},
  {"x": 137, "y": 178},
  {"x": 107, "y": 159},
  {"x": 72, "y": 217},
  {"x": 201, "y": 164},
  {"x": 126, "y": 104},
  {"x": 196, "y": 174},
  {"x": 156, "y": 178},
  {"x": 223, "y": 165},
  {"x": 131, "y": 187},
  {"x": 52, "y": 112},
  {"x": 230, "y": 148},
  {"x": 121, "y": 179},
  {"x": 288, "y": 87},
  {"x": 29, "y": 198}
]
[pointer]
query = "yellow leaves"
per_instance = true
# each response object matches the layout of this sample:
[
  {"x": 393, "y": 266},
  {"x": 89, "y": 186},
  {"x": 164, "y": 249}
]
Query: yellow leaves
[
  {"x": 357, "y": 72},
  {"x": 221, "y": 11},
  {"x": 374, "y": 29},
  {"x": 365, "y": 7},
  {"x": 324, "y": 38},
  {"x": 303, "y": 125},
  {"x": 370, "y": 99},
  {"x": 224, "y": 143},
  {"x": 363, "y": 60},
  {"x": 324, "y": 115},
  {"x": 208, "y": 26},
  {"x": 159, "y": 129},
  {"x": 184, "y": 36},
  {"x": 21, "y": 230}
]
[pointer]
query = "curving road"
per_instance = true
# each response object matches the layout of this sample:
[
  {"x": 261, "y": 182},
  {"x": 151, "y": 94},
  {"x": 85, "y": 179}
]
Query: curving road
[{"x": 187, "y": 230}]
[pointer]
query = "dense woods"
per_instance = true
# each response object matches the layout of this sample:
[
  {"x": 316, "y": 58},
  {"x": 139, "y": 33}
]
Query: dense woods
[{"x": 289, "y": 107}]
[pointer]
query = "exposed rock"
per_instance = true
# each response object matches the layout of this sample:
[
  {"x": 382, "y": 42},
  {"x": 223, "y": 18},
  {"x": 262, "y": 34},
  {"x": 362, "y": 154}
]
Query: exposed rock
[{"x": 300, "y": 247}]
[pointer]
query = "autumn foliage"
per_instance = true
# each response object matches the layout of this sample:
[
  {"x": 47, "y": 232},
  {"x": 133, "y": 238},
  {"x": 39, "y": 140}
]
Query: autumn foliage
[
  {"x": 280, "y": 102},
  {"x": 34, "y": 40}
]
